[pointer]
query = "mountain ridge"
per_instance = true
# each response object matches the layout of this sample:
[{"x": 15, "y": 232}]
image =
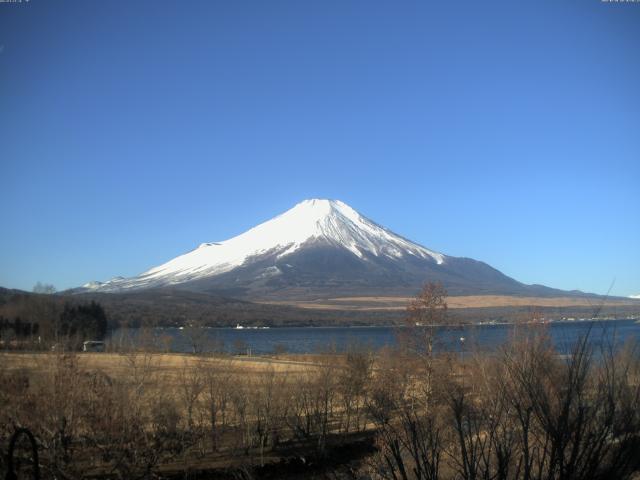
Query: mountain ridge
[{"x": 320, "y": 248}]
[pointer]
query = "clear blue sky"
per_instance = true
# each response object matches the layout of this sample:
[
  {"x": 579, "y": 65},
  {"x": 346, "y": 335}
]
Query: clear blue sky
[{"x": 509, "y": 132}]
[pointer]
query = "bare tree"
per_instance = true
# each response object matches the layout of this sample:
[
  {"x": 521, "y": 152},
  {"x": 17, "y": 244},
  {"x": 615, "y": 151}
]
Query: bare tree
[
  {"x": 352, "y": 383},
  {"x": 409, "y": 423},
  {"x": 240, "y": 400},
  {"x": 426, "y": 311},
  {"x": 197, "y": 336},
  {"x": 191, "y": 382},
  {"x": 217, "y": 395},
  {"x": 269, "y": 407}
]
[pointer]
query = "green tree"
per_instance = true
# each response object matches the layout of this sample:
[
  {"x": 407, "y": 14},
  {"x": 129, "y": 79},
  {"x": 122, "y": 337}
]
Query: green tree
[{"x": 84, "y": 321}]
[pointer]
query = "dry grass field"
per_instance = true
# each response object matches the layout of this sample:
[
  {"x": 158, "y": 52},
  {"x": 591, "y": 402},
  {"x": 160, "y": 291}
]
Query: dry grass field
[
  {"x": 118, "y": 365},
  {"x": 456, "y": 302},
  {"x": 185, "y": 412}
]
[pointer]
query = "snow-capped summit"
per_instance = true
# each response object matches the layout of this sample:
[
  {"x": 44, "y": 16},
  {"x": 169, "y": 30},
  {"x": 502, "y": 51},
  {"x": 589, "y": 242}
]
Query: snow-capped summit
[
  {"x": 317, "y": 247},
  {"x": 309, "y": 222},
  {"x": 329, "y": 220}
]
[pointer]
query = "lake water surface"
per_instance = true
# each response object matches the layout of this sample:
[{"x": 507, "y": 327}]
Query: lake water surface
[{"x": 319, "y": 339}]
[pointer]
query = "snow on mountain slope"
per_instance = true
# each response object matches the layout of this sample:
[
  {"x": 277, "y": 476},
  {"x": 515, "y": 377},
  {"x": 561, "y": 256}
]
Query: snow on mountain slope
[{"x": 311, "y": 221}]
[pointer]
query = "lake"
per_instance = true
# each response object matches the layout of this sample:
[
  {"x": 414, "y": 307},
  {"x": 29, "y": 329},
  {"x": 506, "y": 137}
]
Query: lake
[{"x": 319, "y": 339}]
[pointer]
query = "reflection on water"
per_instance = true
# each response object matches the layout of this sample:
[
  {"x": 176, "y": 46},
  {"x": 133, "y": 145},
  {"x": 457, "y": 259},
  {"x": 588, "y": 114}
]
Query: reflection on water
[{"x": 318, "y": 339}]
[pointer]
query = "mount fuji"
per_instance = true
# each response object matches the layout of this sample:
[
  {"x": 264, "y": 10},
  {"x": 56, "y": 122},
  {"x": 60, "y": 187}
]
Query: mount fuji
[{"x": 319, "y": 248}]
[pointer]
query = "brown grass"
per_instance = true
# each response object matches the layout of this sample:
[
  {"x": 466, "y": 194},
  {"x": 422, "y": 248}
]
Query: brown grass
[
  {"x": 115, "y": 364},
  {"x": 468, "y": 301}
]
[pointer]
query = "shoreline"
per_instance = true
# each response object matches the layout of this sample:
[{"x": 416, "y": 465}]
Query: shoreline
[{"x": 453, "y": 325}]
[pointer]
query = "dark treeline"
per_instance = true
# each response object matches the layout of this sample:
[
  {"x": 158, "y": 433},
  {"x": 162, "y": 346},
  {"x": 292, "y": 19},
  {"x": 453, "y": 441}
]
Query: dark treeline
[
  {"x": 32, "y": 321},
  {"x": 85, "y": 321},
  {"x": 19, "y": 328},
  {"x": 172, "y": 308}
]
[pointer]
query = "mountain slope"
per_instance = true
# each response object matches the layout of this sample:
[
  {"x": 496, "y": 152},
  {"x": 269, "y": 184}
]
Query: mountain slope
[{"x": 320, "y": 248}]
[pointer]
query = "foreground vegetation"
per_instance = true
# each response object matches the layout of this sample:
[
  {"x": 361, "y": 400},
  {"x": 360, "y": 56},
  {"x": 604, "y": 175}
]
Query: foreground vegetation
[{"x": 524, "y": 412}]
